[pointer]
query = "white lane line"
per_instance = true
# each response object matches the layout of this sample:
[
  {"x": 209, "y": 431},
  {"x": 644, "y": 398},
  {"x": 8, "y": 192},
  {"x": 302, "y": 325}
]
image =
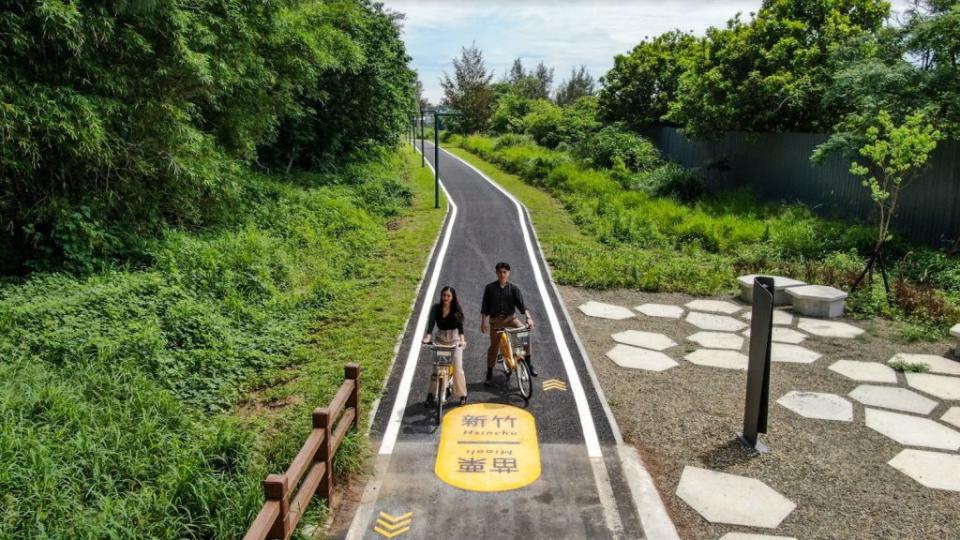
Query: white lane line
[
  {"x": 375, "y": 406},
  {"x": 576, "y": 387},
  {"x": 403, "y": 391},
  {"x": 614, "y": 426}
]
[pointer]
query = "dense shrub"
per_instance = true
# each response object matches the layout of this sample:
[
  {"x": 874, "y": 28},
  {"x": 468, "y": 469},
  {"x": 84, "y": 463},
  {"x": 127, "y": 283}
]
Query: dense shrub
[{"x": 614, "y": 146}]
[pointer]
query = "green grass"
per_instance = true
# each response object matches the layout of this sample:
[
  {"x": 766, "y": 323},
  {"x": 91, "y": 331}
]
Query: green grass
[
  {"x": 605, "y": 228},
  {"x": 910, "y": 367},
  {"x": 151, "y": 404}
]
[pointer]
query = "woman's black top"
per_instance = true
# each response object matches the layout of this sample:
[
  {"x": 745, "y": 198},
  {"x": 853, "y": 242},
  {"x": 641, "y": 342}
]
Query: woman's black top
[{"x": 449, "y": 322}]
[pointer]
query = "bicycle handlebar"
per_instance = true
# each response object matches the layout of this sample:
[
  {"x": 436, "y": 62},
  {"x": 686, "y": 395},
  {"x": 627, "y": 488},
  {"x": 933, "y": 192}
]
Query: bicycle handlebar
[{"x": 525, "y": 328}]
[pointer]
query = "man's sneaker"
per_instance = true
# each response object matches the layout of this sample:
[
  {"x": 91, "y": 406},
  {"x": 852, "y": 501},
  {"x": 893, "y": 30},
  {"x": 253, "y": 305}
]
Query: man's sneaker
[
  {"x": 488, "y": 380},
  {"x": 533, "y": 372},
  {"x": 463, "y": 400}
]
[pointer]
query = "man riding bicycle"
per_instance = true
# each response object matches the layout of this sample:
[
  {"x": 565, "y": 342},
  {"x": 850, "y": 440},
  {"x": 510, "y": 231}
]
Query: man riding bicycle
[{"x": 501, "y": 301}]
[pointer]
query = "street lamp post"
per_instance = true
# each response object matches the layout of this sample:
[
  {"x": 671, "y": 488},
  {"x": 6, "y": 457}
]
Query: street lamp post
[{"x": 436, "y": 153}]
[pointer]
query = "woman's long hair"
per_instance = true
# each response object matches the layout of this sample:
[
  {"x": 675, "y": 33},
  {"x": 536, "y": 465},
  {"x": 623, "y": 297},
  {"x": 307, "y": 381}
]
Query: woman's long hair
[{"x": 454, "y": 303}]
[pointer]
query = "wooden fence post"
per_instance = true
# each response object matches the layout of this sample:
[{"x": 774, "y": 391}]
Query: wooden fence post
[
  {"x": 275, "y": 489},
  {"x": 352, "y": 371},
  {"x": 321, "y": 420}
]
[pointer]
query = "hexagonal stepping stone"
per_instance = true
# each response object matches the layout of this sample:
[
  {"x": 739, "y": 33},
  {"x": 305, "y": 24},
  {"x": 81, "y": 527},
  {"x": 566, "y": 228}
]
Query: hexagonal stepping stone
[
  {"x": 665, "y": 311},
  {"x": 834, "y": 329},
  {"x": 793, "y": 354},
  {"x": 942, "y": 386},
  {"x": 719, "y": 323},
  {"x": 952, "y": 416},
  {"x": 713, "y": 306},
  {"x": 748, "y": 536},
  {"x": 725, "y": 359},
  {"x": 780, "y": 317},
  {"x": 937, "y": 364},
  {"x": 780, "y": 285},
  {"x": 891, "y": 397},
  {"x": 865, "y": 371},
  {"x": 717, "y": 340},
  {"x": 912, "y": 430},
  {"x": 818, "y": 405},
  {"x": 817, "y": 300},
  {"x": 784, "y": 335},
  {"x": 606, "y": 311},
  {"x": 932, "y": 469},
  {"x": 728, "y": 498},
  {"x": 647, "y": 340},
  {"x": 637, "y": 358}
]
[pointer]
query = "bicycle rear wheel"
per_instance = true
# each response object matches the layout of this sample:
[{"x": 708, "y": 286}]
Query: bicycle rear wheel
[
  {"x": 523, "y": 379},
  {"x": 441, "y": 385}
]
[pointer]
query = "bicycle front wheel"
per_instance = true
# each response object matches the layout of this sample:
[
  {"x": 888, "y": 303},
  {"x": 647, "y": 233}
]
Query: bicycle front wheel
[
  {"x": 523, "y": 380},
  {"x": 441, "y": 385}
]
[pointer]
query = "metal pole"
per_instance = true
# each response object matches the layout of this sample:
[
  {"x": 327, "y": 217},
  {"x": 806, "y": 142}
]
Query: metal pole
[
  {"x": 436, "y": 160},
  {"x": 423, "y": 158}
]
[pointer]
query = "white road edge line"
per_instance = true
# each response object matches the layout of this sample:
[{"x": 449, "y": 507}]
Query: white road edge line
[
  {"x": 375, "y": 406},
  {"x": 576, "y": 387},
  {"x": 403, "y": 391},
  {"x": 614, "y": 426}
]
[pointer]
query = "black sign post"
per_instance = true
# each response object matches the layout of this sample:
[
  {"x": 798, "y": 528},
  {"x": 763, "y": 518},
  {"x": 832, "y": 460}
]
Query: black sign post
[{"x": 758, "y": 370}]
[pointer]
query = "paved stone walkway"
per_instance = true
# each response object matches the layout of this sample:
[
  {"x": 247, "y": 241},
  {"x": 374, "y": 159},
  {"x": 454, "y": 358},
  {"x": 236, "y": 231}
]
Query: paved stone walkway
[{"x": 889, "y": 408}]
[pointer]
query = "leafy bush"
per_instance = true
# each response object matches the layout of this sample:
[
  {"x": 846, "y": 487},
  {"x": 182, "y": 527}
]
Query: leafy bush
[
  {"x": 544, "y": 123},
  {"x": 613, "y": 146},
  {"x": 672, "y": 180}
]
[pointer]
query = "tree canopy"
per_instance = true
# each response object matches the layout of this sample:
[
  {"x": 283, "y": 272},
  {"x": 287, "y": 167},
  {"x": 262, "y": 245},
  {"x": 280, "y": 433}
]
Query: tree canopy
[{"x": 120, "y": 118}]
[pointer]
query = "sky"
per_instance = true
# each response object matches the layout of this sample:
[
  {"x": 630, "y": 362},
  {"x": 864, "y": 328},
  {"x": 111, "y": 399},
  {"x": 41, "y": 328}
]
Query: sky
[{"x": 562, "y": 33}]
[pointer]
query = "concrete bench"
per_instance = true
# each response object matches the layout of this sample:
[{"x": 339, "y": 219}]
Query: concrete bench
[
  {"x": 955, "y": 332},
  {"x": 817, "y": 300},
  {"x": 780, "y": 285}
]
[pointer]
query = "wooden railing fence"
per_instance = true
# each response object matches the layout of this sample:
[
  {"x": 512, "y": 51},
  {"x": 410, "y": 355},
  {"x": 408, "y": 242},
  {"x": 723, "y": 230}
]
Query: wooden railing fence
[{"x": 285, "y": 504}]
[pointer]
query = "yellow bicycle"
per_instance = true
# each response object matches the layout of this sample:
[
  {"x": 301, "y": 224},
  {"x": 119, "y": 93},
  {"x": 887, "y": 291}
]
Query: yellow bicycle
[
  {"x": 511, "y": 358},
  {"x": 443, "y": 370}
]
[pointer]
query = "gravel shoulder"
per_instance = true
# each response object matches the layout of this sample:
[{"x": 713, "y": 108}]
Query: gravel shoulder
[{"x": 836, "y": 472}]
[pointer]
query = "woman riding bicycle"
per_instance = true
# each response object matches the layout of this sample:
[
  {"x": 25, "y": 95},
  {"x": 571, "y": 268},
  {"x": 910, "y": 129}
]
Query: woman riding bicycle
[{"x": 448, "y": 318}]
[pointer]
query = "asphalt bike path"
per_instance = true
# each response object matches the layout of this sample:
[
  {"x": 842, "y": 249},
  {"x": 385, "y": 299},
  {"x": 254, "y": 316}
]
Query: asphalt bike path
[{"x": 589, "y": 485}]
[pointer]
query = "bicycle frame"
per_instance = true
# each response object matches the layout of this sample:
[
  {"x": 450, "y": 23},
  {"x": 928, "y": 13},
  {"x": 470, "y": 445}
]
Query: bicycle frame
[{"x": 508, "y": 349}]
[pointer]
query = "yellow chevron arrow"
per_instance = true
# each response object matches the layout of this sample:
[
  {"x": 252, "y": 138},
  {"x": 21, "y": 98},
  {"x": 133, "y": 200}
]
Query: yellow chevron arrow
[
  {"x": 388, "y": 525},
  {"x": 554, "y": 384}
]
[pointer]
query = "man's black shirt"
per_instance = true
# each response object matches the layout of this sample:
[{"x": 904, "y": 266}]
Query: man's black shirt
[{"x": 500, "y": 301}]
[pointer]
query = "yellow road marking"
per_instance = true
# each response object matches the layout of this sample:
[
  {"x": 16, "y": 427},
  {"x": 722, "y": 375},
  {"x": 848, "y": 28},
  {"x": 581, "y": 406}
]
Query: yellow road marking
[
  {"x": 388, "y": 525},
  {"x": 389, "y": 534},
  {"x": 488, "y": 447},
  {"x": 554, "y": 384},
  {"x": 395, "y": 518}
]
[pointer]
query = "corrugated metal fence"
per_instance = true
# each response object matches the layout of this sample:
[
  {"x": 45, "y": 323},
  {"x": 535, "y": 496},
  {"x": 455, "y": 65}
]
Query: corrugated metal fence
[{"x": 777, "y": 167}]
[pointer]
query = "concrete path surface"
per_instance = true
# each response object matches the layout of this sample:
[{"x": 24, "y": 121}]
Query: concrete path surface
[{"x": 560, "y": 471}]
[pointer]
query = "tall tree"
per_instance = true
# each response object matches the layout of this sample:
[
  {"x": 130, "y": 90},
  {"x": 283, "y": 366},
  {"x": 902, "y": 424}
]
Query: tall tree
[
  {"x": 770, "y": 74},
  {"x": 469, "y": 91},
  {"x": 580, "y": 84},
  {"x": 639, "y": 88}
]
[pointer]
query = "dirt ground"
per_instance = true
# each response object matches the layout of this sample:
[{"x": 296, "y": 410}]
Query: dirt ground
[{"x": 836, "y": 472}]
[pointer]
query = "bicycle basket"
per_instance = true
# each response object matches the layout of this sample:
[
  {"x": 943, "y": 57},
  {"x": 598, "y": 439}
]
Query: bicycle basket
[{"x": 521, "y": 340}]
